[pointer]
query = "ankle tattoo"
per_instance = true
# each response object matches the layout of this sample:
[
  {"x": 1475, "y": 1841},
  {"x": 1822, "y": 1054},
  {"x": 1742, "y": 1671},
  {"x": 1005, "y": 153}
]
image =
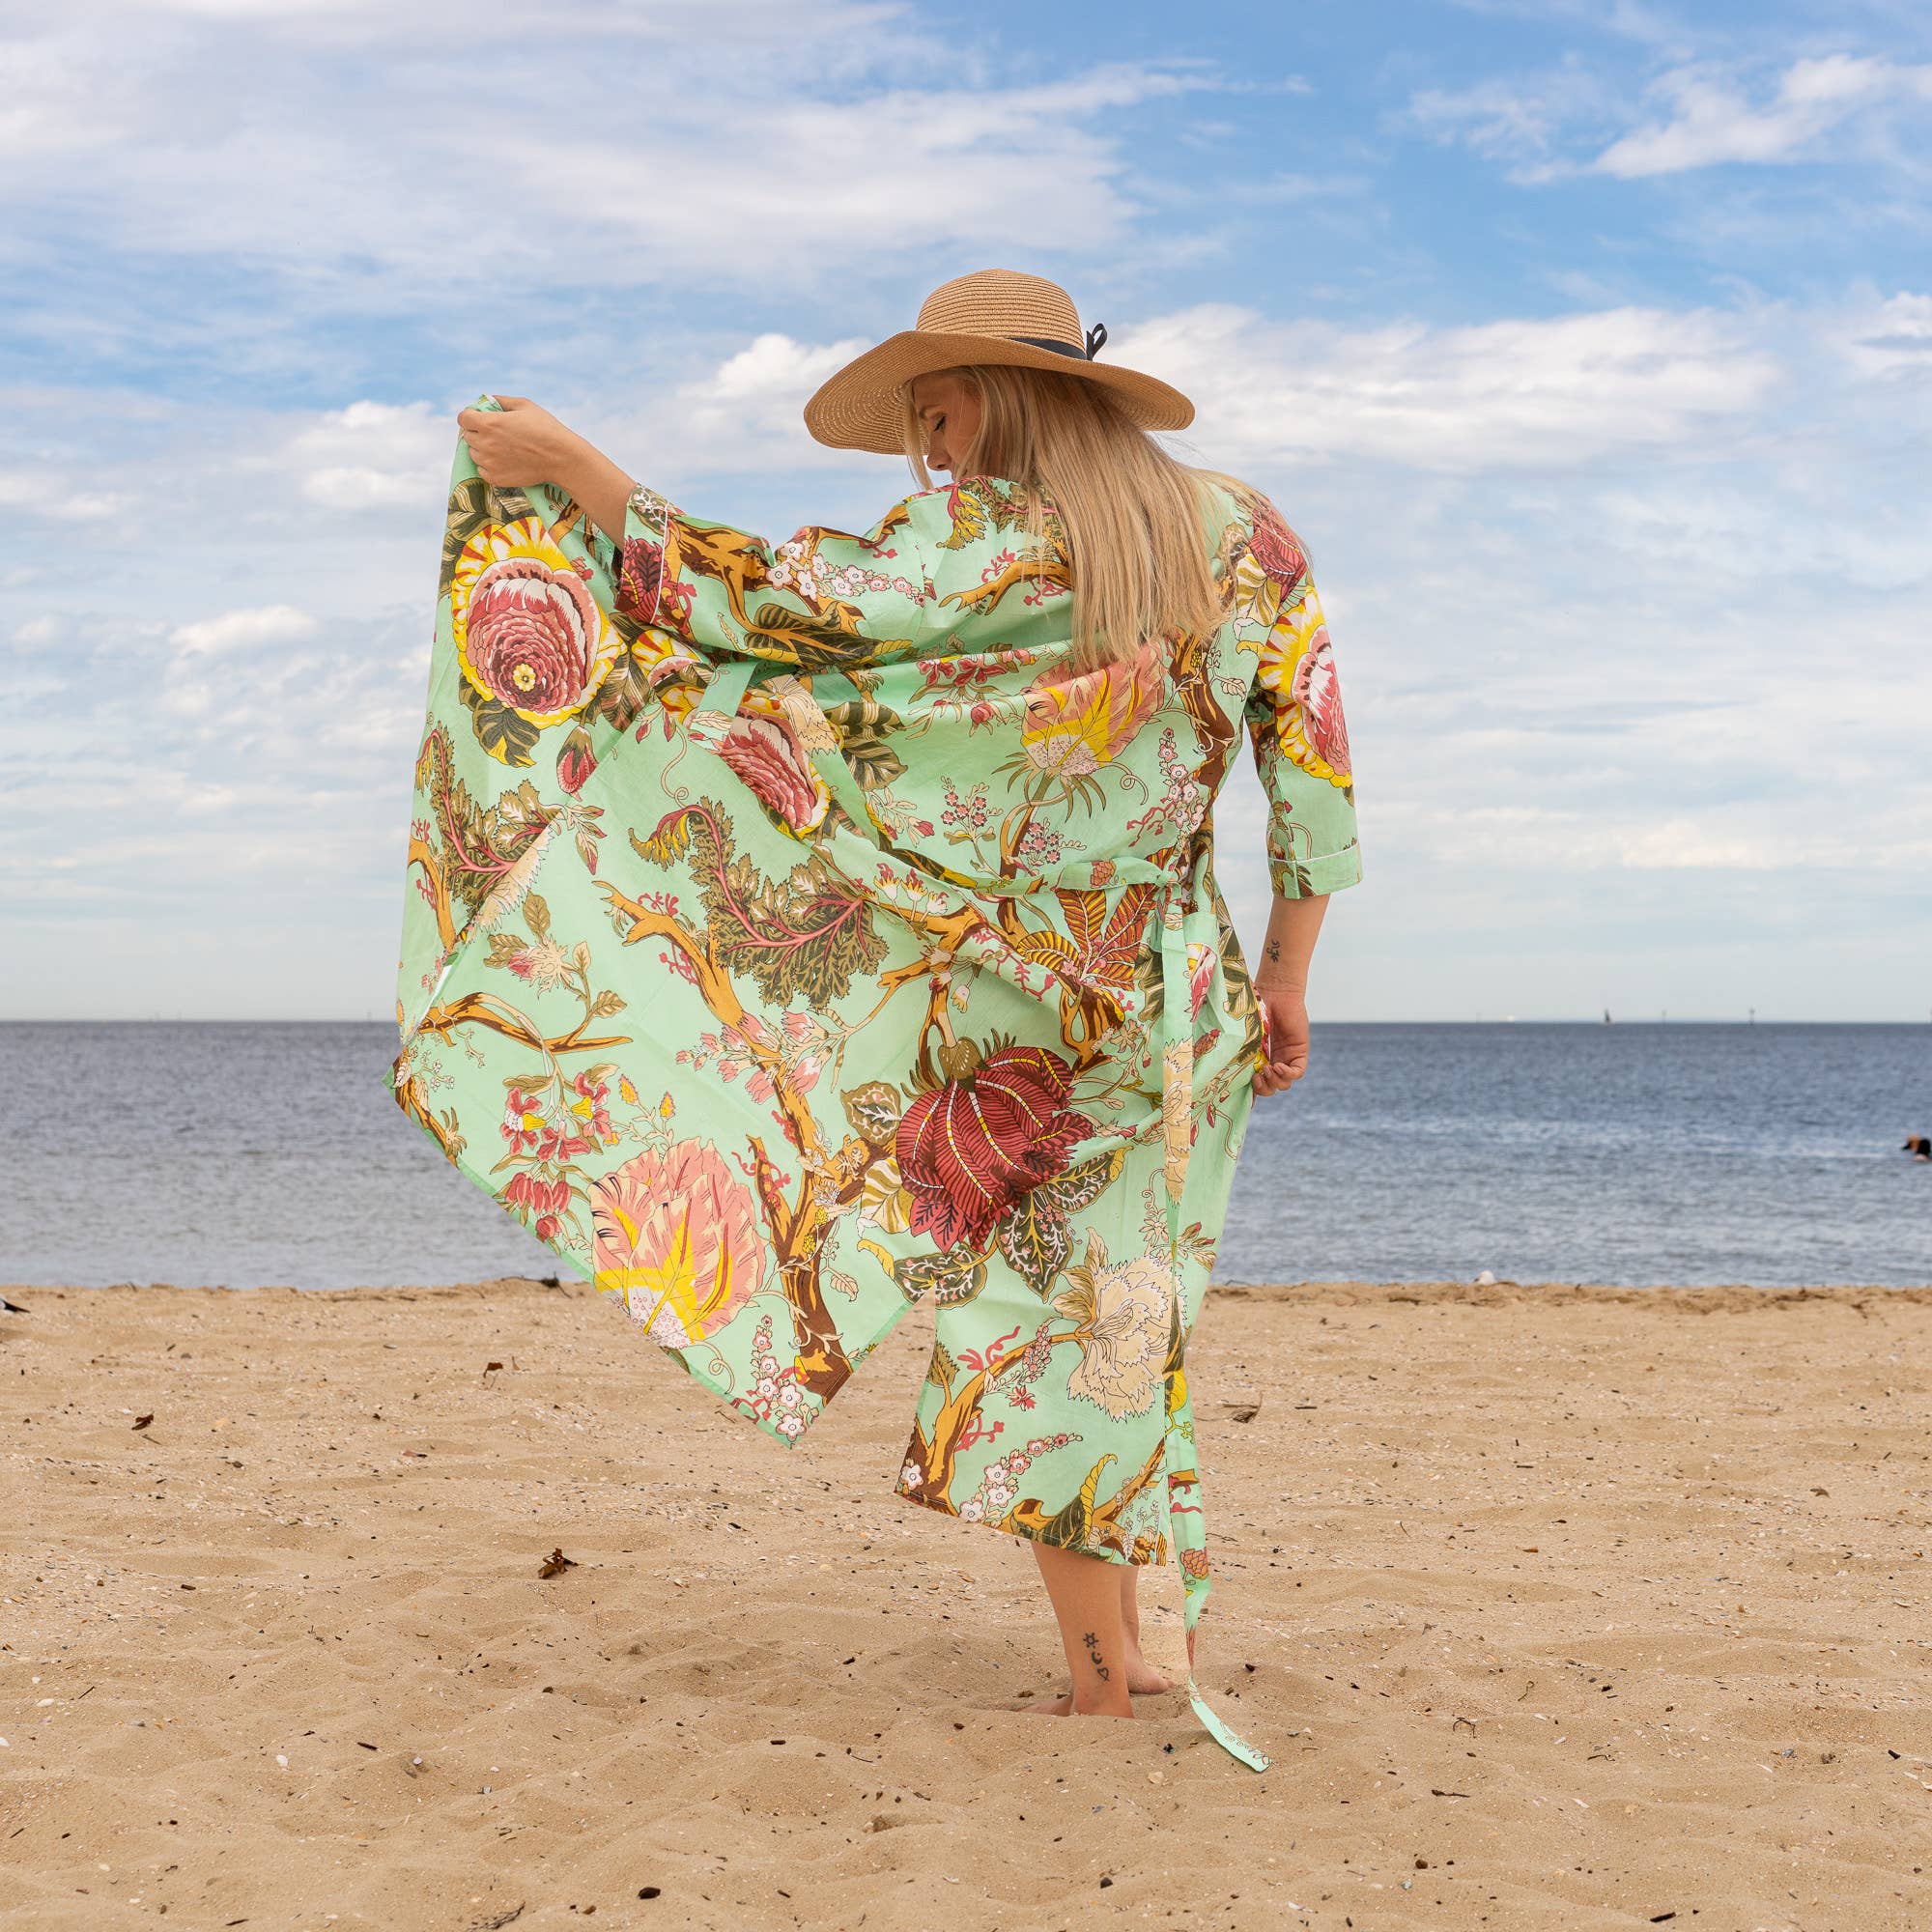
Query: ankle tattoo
[{"x": 1092, "y": 1643}]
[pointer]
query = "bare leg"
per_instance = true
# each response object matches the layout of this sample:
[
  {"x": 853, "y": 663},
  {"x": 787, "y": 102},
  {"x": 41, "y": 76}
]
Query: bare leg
[
  {"x": 1142, "y": 1676},
  {"x": 1085, "y": 1597}
]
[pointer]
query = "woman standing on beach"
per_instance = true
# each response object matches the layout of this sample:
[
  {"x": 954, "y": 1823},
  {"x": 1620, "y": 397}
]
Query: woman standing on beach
[{"x": 911, "y": 832}]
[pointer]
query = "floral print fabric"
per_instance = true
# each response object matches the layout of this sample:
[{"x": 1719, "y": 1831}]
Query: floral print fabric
[{"x": 794, "y": 936}]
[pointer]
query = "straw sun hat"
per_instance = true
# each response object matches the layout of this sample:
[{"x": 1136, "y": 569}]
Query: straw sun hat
[{"x": 994, "y": 315}]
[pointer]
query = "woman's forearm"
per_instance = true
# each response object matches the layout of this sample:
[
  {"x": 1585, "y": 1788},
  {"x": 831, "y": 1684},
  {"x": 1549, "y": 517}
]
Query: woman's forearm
[
  {"x": 583, "y": 472},
  {"x": 1290, "y": 942}
]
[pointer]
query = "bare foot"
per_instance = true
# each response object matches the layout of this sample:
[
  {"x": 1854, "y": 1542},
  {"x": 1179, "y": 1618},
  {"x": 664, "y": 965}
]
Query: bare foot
[
  {"x": 1052, "y": 1707},
  {"x": 1143, "y": 1681},
  {"x": 1062, "y": 1707}
]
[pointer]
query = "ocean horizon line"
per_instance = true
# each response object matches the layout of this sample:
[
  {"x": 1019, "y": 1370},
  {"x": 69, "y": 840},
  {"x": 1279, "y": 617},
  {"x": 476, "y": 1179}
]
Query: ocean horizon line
[{"x": 1681, "y": 1153}]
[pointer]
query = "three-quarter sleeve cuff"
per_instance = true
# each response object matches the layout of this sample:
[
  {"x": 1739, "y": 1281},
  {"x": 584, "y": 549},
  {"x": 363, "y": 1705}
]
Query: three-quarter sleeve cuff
[{"x": 1311, "y": 878}]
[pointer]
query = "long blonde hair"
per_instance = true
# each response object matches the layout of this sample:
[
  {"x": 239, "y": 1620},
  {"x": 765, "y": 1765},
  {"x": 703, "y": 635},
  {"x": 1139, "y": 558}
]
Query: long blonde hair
[{"x": 1131, "y": 514}]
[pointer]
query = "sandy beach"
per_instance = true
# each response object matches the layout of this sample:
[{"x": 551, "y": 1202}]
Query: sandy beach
[{"x": 1556, "y": 1606}]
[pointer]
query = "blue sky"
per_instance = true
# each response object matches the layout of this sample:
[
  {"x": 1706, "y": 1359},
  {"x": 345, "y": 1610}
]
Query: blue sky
[{"x": 1588, "y": 348}]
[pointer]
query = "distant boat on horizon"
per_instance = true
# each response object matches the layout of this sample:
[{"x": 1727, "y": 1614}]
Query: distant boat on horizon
[{"x": 1606, "y": 1016}]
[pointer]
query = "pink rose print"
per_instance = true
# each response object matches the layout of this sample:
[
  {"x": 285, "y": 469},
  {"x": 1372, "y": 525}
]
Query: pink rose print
[{"x": 532, "y": 636}]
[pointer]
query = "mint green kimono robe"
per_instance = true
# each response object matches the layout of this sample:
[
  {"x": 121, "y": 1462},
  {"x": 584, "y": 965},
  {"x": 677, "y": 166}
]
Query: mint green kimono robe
[{"x": 792, "y": 936}]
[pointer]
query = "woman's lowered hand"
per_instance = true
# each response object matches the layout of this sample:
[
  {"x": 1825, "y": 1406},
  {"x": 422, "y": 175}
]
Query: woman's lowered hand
[
  {"x": 1281, "y": 987},
  {"x": 1287, "y": 1049},
  {"x": 518, "y": 443}
]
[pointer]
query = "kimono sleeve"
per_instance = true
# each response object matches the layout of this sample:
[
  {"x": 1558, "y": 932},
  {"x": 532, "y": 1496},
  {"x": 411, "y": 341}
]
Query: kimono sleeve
[
  {"x": 1300, "y": 739},
  {"x": 819, "y": 597}
]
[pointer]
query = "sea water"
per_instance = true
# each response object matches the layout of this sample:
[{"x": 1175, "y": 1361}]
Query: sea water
[{"x": 1686, "y": 1154}]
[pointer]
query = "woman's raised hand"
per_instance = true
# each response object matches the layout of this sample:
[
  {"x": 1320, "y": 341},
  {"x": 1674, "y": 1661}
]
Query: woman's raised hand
[{"x": 517, "y": 445}]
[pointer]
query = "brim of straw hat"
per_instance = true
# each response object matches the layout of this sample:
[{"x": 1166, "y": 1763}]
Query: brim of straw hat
[{"x": 859, "y": 407}]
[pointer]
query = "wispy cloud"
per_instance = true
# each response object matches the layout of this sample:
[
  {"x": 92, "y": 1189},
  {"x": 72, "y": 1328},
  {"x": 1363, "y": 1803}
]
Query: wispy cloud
[
  {"x": 1574, "y": 118},
  {"x": 1711, "y": 120},
  {"x": 820, "y": 153},
  {"x": 240, "y": 630},
  {"x": 1521, "y": 393},
  {"x": 54, "y": 493},
  {"x": 1893, "y": 339},
  {"x": 1524, "y": 122},
  {"x": 368, "y": 456}
]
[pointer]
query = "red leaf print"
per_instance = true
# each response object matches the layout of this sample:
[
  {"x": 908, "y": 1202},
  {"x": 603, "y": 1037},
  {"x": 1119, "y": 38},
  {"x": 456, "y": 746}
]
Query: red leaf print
[
  {"x": 969, "y": 1150},
  {"x": 1276, "y": 547}
]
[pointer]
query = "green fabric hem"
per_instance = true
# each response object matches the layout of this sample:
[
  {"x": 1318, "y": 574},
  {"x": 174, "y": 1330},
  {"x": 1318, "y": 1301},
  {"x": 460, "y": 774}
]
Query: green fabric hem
[
  {"x": 489, "y": 1187},
  {"x": 1312, "y": 878},
  {"x": 481, "y": 1176},
  {"x": 1024, "y": 1535}
]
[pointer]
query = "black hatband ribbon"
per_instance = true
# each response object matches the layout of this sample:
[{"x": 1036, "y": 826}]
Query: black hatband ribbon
[{"x": 1096, "y": 338}]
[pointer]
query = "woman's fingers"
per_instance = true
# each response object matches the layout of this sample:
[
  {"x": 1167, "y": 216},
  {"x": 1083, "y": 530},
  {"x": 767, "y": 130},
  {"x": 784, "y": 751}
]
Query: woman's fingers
[
  {"x": 479, "y": 432},
  {"x": 1276, "y": 1076},
  {"x": 475, "y": 417},
  {"x": 513, "y": 444}
]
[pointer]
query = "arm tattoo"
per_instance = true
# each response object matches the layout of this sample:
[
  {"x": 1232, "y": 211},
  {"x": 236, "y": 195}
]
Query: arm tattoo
[
  {"x": 1093, "y": 1643},
  {"x": 1274, "y": 949}
]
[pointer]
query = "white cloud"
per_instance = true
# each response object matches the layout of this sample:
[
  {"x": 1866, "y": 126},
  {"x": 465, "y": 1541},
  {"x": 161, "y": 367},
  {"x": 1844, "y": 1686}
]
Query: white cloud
[
  {"x": 1710, "y": 122},
  {"x": 1890, "y": 340},
  {"x": 371, "y": 455},
  {"x": 240, "y": 630},
  {"x": 1520, "y": 121},
  {"x": 775, "y": 367},
  {"x": 1561, "y": 391},
  {"x": 53, "y": 498},
  {"x": 749, "y": 409},
  {"x": 36, "y": 634},
  {"x": 821, "y": 151},
  {"x": 780, "y": 190},
  {"x": 1529, "y": 392},
  {"x": 1573, "y": 119}
]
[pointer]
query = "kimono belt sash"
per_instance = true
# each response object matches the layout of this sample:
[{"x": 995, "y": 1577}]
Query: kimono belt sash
[{"x": 1175, "y": 920}]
